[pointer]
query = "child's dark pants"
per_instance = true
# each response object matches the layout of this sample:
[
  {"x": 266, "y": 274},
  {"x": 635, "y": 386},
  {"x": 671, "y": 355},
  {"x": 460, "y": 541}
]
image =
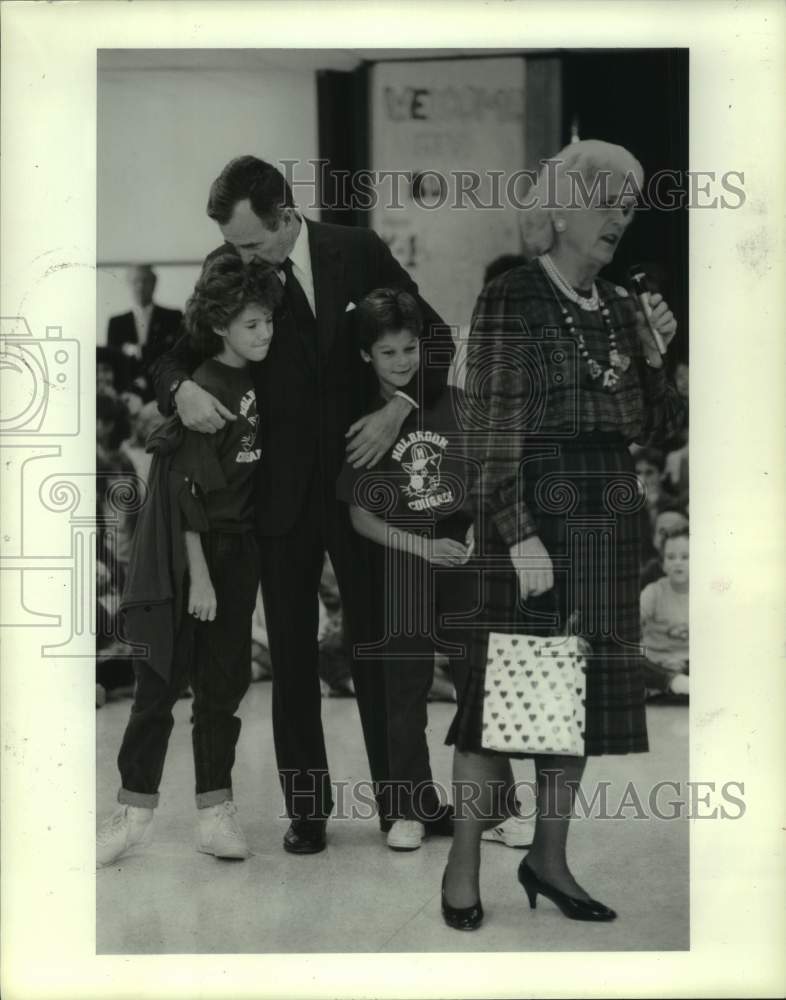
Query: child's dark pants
[
  {"x": 215, "y": 657},
  {"x": 419, "y": 599}
]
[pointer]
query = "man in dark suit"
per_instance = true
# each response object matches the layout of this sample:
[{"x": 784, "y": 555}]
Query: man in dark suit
[
  {"x": 148, "y": 330},
  {"x": 316, "y": 404}
]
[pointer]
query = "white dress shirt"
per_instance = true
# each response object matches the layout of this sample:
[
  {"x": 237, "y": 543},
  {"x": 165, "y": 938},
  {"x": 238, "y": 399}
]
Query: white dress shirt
[
  {"x": 301, "y": 264},
  {"x": 142, "y": 317}
]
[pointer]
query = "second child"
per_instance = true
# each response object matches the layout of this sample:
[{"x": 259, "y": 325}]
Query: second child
[
  {"x": 413, "y": 503},
  {"x": 194, "y": 572}
]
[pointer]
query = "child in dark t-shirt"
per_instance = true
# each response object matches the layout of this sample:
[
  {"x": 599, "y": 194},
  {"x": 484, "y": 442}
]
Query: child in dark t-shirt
[
  {"x": 413, "y": 503},
  {"x": 194, "y": 571}
]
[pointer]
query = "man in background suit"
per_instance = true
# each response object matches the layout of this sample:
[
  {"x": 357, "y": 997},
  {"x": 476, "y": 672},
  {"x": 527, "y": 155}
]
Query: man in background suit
[
  {"x": 148, "y": 330},
  {"x": 315, "y": 399}
]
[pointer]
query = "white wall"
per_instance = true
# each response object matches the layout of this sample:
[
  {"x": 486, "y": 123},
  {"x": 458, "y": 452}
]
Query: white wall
[
  {"x": 163, "y": 136},
  {"x": 470, "y": 115}
]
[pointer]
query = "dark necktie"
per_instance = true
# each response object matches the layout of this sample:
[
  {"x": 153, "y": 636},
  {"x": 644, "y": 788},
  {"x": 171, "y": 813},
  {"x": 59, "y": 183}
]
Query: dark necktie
[{"x": 303, "y": 318}]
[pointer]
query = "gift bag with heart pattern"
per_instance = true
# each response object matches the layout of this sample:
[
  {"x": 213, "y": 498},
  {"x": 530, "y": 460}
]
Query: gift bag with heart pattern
[{"x": 534, "y": 695}]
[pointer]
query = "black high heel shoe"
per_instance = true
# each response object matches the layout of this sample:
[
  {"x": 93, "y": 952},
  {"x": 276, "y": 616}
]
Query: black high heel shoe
[
  {"x": 465, "y": 918},
  {"x": 574, "y": 909}
]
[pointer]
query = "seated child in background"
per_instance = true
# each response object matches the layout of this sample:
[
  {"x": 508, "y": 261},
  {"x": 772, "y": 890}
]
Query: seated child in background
[
  {"x": 664, "y": 619},
  {"x": 115, "y": 476},
  {"x": 413, "y": 503},
  {"x": 107, "y": 374},
  {"x": 113, "y": 427},
  {"x": 193, "y": 574},
  {"x": 648, "y": 463},
  {"x": 118, "y": 375},
  {"x": 676, "y": 471},
  {"x": 649, "y": 468},
  {"x": 113, "y": 666},
  {"x": 669, "y": 517}
]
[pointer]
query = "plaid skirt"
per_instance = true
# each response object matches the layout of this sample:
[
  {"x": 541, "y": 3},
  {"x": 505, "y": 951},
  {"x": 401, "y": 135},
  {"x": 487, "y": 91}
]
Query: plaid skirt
[{"x": 586, "y": 502}]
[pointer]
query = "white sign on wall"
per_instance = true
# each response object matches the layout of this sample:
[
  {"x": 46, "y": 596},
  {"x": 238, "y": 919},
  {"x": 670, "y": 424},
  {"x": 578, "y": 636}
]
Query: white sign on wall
[{"x": 440, "y": 127}]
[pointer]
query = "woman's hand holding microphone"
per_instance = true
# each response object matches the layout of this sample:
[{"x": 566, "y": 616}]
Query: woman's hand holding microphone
[{"x": 658, "y": 317}]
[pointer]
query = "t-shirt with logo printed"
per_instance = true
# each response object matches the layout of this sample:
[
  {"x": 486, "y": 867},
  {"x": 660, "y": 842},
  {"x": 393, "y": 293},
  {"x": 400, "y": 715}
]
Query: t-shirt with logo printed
[
  {"x": 664, "y": 622},
  {"x": 422, "y": 483},
  {"x": 228, "y": 503}
]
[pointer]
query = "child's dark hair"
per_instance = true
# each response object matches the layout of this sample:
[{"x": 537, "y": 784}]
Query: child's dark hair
[
  {"x": 683, "y": 531},
  {"x": 385, "y": 310},
  {"x": 667, "y": 504},
  {"x": 224, "y": 288},
  {"x": 652, "y": 456}
]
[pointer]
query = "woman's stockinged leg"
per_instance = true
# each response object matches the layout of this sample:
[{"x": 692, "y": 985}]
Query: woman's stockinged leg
[
  {"x": 478, "y": 780},
  {"x": 558, "y": 778}
]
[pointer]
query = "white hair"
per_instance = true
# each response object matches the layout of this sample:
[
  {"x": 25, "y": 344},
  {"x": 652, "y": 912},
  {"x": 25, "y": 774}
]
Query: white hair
[{"x": 580, "y": 163}]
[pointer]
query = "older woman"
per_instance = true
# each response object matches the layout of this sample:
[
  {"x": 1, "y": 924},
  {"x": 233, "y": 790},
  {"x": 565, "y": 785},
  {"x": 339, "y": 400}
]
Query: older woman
[{"x": 562, "y": 375}]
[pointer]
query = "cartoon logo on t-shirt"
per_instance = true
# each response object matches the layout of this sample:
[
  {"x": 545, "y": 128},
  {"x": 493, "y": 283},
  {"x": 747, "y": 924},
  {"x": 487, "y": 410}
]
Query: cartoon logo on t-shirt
[
  {"x": 420, "y": 454},
  {"x": 248, "y": 411}
]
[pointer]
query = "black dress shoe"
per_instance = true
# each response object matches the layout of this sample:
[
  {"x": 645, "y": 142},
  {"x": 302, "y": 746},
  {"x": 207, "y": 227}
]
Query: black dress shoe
[
  {"x": 574, "y": 909},
  {"x": 461, "y": 918},
  {"x": 305, "y": 836}
]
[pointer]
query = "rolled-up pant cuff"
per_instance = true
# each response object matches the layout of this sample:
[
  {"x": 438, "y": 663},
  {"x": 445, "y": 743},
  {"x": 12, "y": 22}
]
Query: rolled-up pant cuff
[
  {"x": 139, "y": 799},
  {"x": 205, "y": 800}
]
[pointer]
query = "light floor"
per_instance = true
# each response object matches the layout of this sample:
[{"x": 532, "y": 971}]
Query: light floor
[{"x": 359, "y": 896}]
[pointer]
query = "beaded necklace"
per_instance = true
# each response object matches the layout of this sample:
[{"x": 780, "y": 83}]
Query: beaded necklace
[
  {"x": 618, "y": 362},
  {"x": 589, "y": 303}
]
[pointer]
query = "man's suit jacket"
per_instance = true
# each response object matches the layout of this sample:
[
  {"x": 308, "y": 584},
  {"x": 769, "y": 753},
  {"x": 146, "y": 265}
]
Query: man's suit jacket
[
  {"x": 308, "y": 399},
  {"x": 163, "y": 332}
]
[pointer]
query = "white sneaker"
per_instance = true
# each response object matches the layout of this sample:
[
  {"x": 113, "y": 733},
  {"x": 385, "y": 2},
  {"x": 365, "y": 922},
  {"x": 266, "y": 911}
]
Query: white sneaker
[
  {"x": 406, "y": 835},
  {"x": 219, "y": 832},
  {"x": 128, "y": 826},
  {"x": 515, "y": 831}
]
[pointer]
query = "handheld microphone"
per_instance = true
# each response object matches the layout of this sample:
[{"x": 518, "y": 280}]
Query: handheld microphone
[{"x": 641, "y": 286}]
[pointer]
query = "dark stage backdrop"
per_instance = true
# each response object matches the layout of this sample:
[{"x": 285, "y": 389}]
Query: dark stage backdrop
[{"x": 639, "y": 99}]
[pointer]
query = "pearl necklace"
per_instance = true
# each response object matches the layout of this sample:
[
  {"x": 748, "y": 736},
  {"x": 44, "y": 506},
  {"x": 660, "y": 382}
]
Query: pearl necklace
[
  {"x": 588, "y": 304},
  {"x": 618, "y": 363}
]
